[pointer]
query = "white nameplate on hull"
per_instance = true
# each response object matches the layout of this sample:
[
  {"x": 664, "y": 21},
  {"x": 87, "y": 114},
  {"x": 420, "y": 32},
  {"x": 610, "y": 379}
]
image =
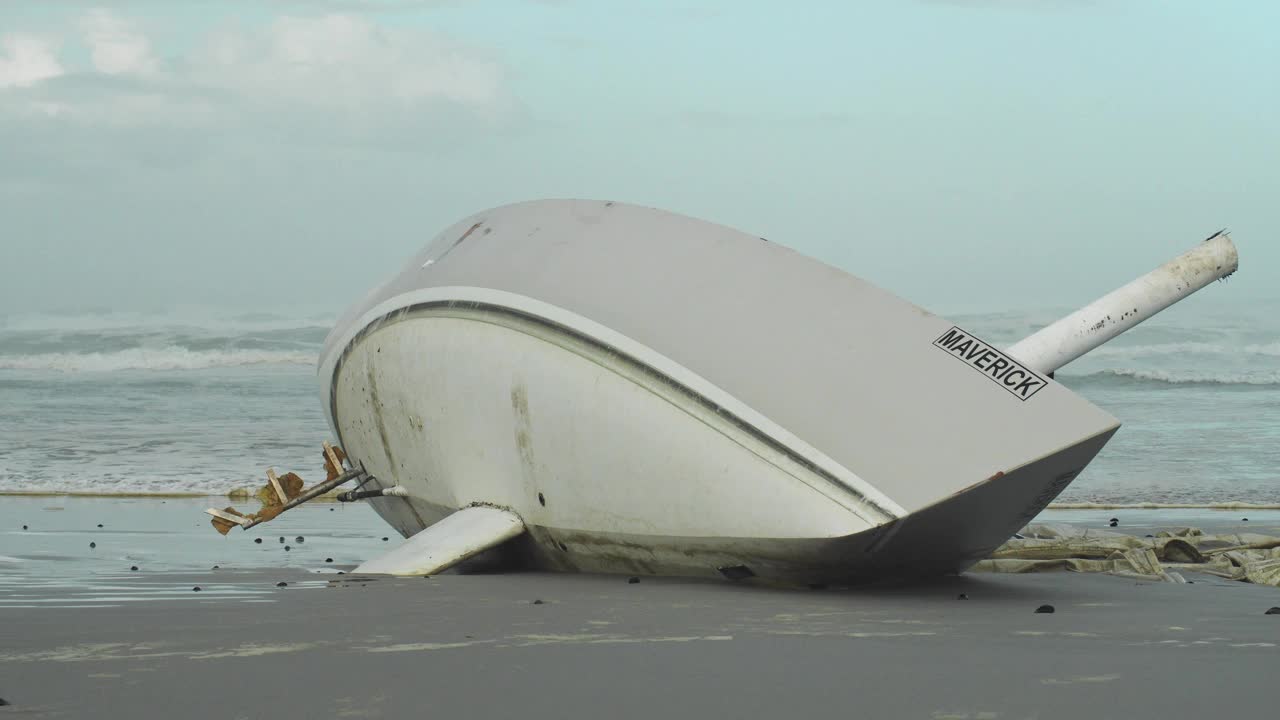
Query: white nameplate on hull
[{"x": 464, "y": 534}]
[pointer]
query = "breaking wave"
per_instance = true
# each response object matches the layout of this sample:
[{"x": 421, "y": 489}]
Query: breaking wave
[
  {"x": 207, "y": 319},
  {"x": 178, "y": 340},
  {"x": 1174, "y": 377},
  {"x": 170, "y": 357},
  {"x": 1188, "y": 348}
]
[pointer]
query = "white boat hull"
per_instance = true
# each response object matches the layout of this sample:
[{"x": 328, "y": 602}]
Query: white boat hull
[{"x": 608, "y": 435}]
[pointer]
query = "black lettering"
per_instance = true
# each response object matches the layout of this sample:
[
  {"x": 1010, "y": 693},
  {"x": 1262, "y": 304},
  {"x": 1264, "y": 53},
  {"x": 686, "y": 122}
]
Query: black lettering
[
  {"x": 989, "y": 361},
  {"x": 1027, "y": 386},
  {"x": 951, "y": 337},
  {"x": 997, "y": 366}
]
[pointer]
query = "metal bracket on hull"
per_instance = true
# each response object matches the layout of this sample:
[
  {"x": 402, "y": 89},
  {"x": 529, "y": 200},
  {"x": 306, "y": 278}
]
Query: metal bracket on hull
[
  {"x": 354, "y": 495},
  {"x": 286, "y": 492}
]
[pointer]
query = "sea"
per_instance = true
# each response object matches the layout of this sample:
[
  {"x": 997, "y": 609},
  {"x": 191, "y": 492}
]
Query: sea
[{"x": 204, "y": 401}]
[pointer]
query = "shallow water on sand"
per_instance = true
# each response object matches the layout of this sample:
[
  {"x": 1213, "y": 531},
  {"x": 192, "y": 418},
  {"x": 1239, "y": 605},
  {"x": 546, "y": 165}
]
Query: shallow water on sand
[{"x": 52, "y": 562}]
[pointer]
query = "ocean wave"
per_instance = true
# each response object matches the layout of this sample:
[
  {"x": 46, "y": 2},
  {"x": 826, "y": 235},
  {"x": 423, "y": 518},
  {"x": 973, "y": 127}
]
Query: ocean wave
[
  {"x": 1166, "y": 377},
  {"x": 1271, "y": 349},
  {"x": 170, "y": 357},
  {"x": 194, "y": 339},
  {"x": 206, "y": 319}
]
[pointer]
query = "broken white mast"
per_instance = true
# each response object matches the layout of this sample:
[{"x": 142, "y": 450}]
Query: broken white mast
[{"x": 1103, "y": 319}]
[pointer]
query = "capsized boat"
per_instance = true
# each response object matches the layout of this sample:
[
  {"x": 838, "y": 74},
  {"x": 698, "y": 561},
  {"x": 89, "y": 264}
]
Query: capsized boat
[{"x": 592, "y": 386}]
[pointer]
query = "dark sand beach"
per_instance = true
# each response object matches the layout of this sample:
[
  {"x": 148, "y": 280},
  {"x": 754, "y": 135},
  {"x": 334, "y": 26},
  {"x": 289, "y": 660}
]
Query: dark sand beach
[{"x": 82, "y": 635}]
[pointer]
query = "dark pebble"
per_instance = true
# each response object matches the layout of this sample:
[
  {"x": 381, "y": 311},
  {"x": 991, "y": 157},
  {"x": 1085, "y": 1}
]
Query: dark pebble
[
  {"x": 1151, "y": 536},
  {"x": 133, "y": 568},
  {"x": 1244, "y": 519},
  {"x": 282, "y": 584},
  {"x": 537, "y": 602},
  {"x": 962, "y": 596},
  {"x": 215, "y": 567},
  {"x": 633, "y": 580},
  {"x": 24, "y": 527},
  {"x": 281, "y": 538},
  {"x": 99, "y": 524},
  {"x": 286, "y": 548},
  {"x": 384, "y": 539},
  {"x": 93, "y": 545},
  {"x": 3, "y": 702},
  {"x": 341, "y": 573},
  {"x": 330, "y": 509},
  {"x": 258, "y": 540},
  {"x": 195, "y": 589},
  {"x": 1273, "y": 611},
  {"x": 1045, "y": 609},
  {"x": 300, "y": 539},
  {"x": 328, "y": 559},
  {"x": 1114, "y": 522}
]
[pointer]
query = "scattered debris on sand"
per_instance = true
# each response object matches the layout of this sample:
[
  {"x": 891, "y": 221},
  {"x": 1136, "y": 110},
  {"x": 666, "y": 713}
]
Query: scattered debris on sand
[{"x": 1248, "y": 557}]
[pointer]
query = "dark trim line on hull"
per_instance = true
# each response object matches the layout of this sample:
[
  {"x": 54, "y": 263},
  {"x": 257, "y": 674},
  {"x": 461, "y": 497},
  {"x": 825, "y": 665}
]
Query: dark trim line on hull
[{"x": 405, "y": 312}]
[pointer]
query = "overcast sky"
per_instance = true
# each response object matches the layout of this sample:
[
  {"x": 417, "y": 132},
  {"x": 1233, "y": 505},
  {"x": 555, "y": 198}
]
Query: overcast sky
[{"x": 966, "y": 154}]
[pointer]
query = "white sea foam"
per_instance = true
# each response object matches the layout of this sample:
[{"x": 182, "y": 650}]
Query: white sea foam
[
  {"x": 171, "y": 357},
  {"x": 206, "y": 319},
  {"x": 1188, "y": 348},
  {"x": 1176, "y": 377}
]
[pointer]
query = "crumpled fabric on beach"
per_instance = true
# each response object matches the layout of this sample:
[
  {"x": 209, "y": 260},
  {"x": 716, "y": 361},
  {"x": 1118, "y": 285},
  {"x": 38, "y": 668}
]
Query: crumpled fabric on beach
[{"x": 1248, "y": 557}]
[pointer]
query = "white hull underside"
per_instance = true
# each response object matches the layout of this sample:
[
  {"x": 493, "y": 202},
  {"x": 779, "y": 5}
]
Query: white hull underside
[{"x": 616, "y": 466}]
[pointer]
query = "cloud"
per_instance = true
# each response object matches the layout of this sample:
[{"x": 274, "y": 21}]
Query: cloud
[
  {"x": 349, "y": 62},
  {"x": 344, "y": 71},
  {"x": 116, "y": 45},
  {"x": 26, "y": 60}
]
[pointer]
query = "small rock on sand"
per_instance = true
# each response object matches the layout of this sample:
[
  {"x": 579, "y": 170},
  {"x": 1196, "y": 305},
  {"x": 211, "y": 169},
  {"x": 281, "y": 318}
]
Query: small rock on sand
[{"x": 1045, "y": 609}]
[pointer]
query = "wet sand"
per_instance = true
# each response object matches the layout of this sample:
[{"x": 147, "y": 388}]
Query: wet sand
[{"x": 98, "y": 640}]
